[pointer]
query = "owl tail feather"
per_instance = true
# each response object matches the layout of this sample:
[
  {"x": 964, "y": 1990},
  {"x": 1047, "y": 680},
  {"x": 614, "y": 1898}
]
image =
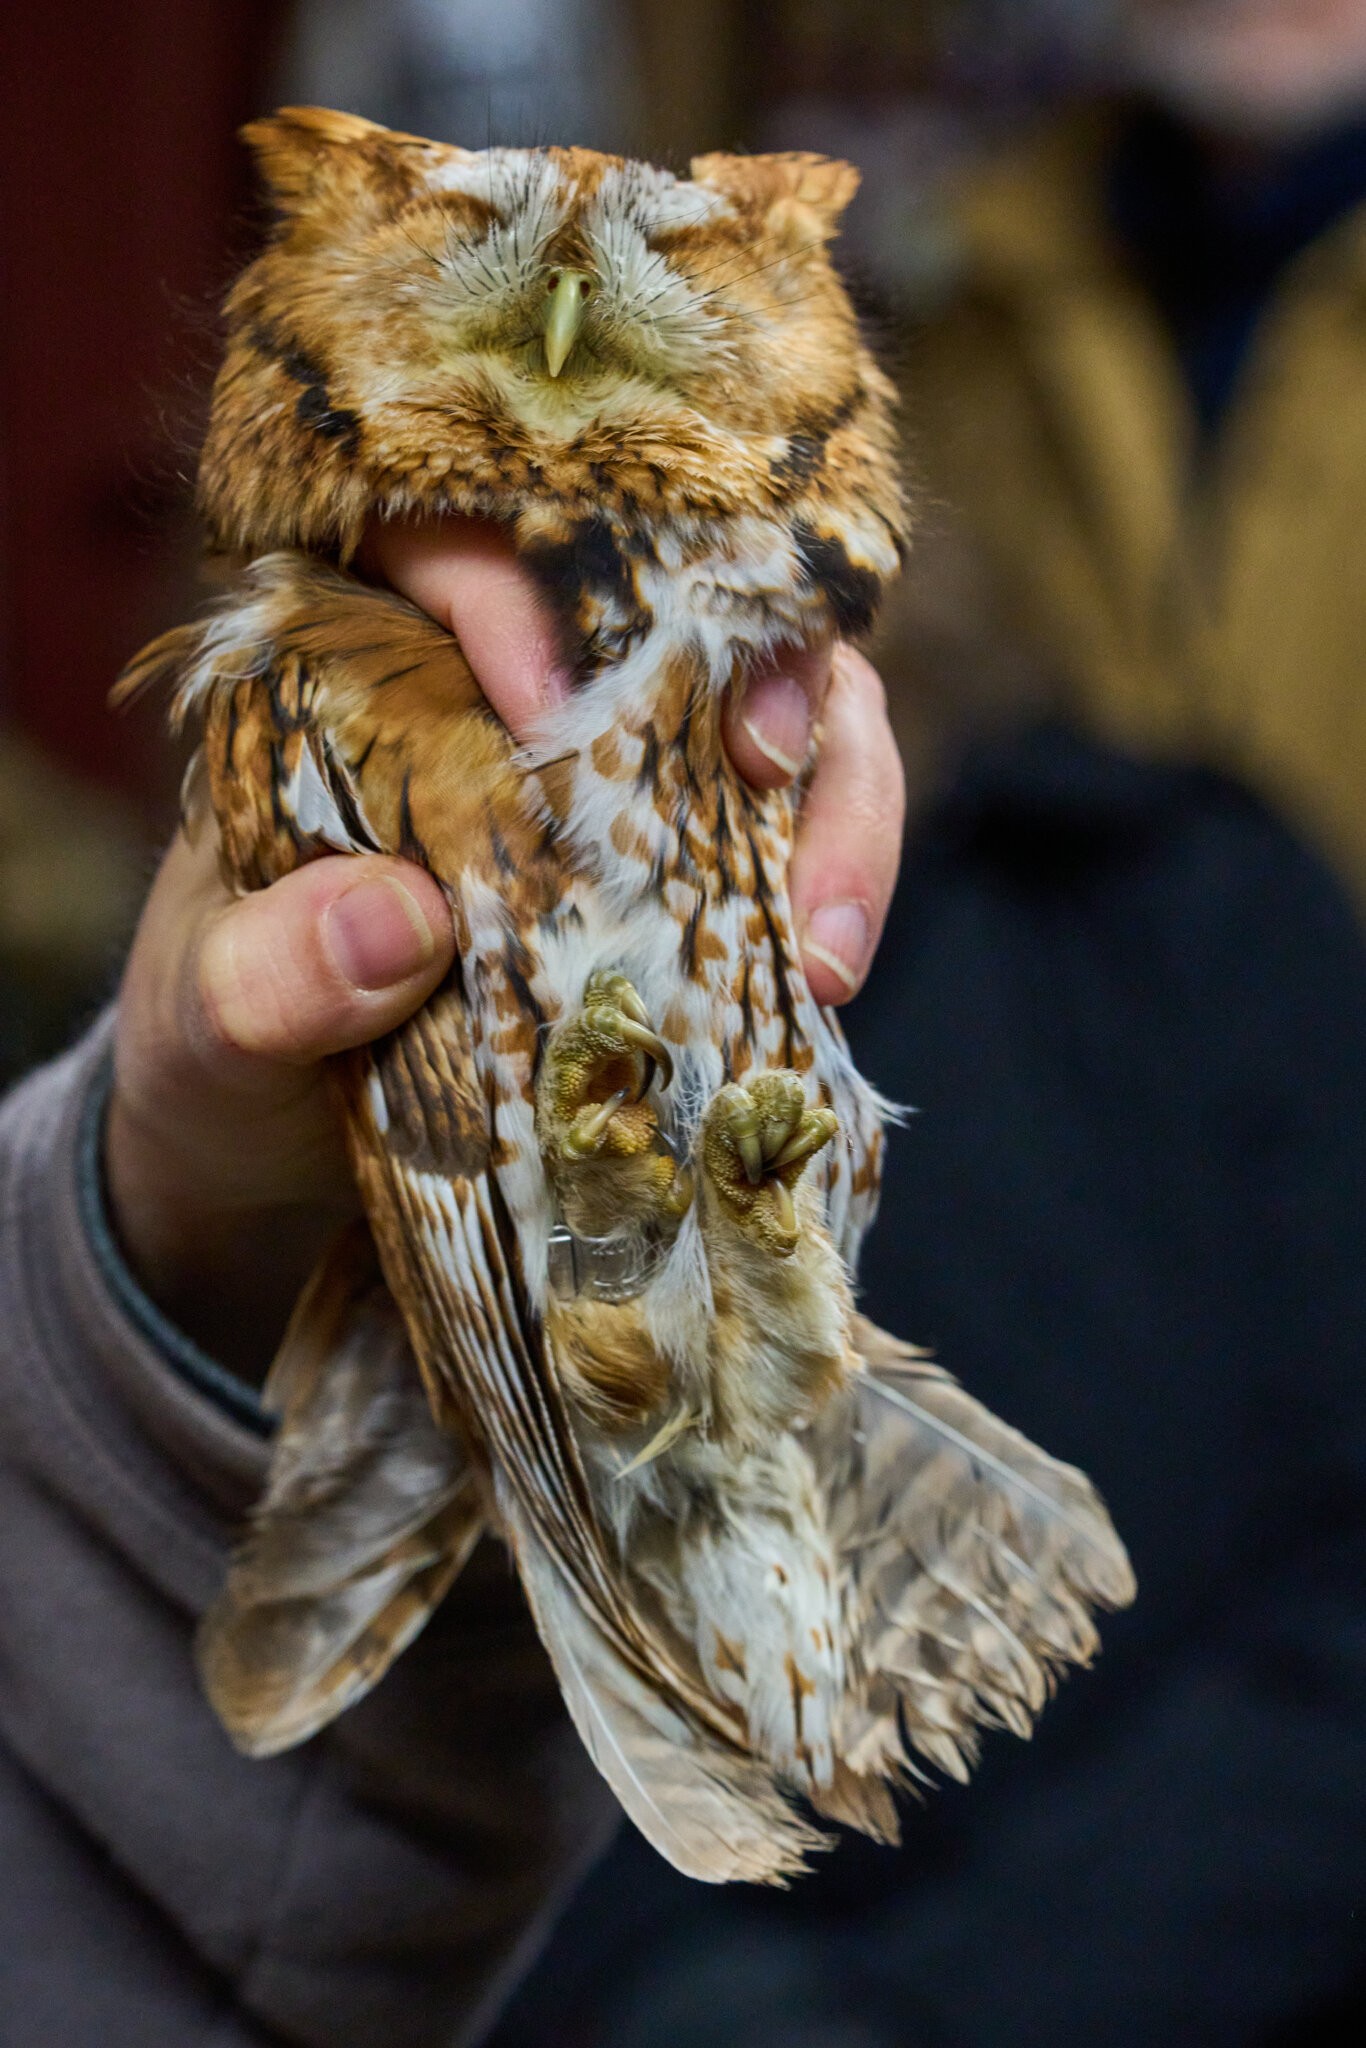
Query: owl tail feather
[
  {"x": 973, "y": 1561},
  {"x": 368, "y": 1515},
  {"x": 710, "y": 1808}
]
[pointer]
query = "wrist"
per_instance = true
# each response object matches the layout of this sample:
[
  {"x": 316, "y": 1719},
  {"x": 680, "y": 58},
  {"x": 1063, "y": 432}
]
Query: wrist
[{"x": 224, "y": 1267}]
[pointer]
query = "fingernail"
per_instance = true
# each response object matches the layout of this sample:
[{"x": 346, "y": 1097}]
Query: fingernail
[
  {"x": 776, "y": 713},
  {"x": 378, "y": 934},
  {"x": 837, "y": 936}
]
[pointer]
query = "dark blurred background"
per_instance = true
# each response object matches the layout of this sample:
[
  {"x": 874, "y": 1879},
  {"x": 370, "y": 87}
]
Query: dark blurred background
[{"x": 1115, "y": 254}]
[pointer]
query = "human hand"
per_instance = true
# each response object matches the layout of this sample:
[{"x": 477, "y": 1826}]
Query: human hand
[{"x": 224, "y": 1160}]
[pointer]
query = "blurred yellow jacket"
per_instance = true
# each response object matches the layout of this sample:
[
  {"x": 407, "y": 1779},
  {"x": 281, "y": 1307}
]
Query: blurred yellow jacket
[{"x": 1208, "y": 605}]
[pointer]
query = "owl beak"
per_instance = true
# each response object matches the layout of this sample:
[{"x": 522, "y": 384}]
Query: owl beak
[{"x": 570, "y": 291}]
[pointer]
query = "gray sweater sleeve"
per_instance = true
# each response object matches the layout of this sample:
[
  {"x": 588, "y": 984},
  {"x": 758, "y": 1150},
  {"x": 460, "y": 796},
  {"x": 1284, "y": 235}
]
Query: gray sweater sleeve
[{"x": 380, "y": 1885}]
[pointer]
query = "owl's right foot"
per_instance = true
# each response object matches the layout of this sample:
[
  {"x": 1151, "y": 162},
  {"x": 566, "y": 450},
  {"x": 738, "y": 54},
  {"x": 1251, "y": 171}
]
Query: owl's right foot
[
  {"x": 598, "y": 1071},
  {"x": 598, "y": 1130}
]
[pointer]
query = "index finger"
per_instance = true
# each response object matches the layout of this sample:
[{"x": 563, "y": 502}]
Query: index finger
[{"x": 466, "y": 574}]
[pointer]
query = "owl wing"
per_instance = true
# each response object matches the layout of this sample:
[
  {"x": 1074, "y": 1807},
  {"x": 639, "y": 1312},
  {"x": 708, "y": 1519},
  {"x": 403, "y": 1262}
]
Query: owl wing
[
  {"x": 971, "y": 1561},
  {"x": 370, "y": 1508},
  {"x": 369, "y": 1513}
]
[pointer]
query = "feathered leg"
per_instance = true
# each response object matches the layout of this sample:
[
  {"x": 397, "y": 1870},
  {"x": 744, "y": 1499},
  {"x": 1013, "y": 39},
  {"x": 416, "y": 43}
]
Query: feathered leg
[
  {"x": 737, "y": 1552},
  {"x": 778, "y": 1345}
]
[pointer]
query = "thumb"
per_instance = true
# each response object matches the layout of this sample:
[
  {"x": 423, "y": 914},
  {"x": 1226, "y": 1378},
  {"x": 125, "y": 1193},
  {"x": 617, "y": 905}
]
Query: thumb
[{"x": 328, "y": 957}]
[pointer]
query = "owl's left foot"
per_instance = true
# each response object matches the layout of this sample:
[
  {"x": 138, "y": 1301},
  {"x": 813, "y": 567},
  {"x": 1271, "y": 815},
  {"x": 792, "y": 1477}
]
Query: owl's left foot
[{"x": 756, "y": 1141}]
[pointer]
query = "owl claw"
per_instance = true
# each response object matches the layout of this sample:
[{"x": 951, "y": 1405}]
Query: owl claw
[
  {"x": 679, "y": 1198},
  {"x": 756, "y": 1141},
  {"x": 613, "y": 1008},
  {"x": 626, "y": 998},
  {"x": 784, "y": 1210},
  {"x": 743, "y": 1130},
  {"x": 815, "y": 1131},
  {"x": 637, "y": 1032},
  {"x": 584, "y": 1137}
]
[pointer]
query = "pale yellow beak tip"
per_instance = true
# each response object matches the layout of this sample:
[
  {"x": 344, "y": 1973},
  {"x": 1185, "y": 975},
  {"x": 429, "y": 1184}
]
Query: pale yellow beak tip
[{"x": 565, "y": 309}]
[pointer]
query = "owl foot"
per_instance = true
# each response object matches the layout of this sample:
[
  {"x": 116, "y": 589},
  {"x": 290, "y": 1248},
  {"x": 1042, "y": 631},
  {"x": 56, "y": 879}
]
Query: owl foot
[
  {"x": 756, "y": 1140},
  {"x": 599, "y": 1133}
]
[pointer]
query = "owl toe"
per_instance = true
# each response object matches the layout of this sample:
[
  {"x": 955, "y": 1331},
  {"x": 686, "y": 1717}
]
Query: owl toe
[{"x": 756, "y": 1143}]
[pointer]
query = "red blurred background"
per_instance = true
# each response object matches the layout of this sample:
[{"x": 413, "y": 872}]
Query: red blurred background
[{"x": 126, "y": 199}]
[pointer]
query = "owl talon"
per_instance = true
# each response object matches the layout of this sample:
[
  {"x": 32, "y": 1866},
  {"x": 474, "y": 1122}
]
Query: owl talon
[
  {"x": 756, "y": 1141},
  {"x": 626, "y": 997},
  {"x": 679, "y": 1198},
  {"x": 810, "y": 1137},
  {"x": 583, "y": 1139},
  {"x": 784, "y": 1210},
  {"x": 657, "y": 1054},
  {"x": 743, "y": 1129}
]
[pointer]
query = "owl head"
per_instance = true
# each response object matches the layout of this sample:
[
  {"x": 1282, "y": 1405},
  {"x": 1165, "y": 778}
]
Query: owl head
[{"x": 569, "y": 342}]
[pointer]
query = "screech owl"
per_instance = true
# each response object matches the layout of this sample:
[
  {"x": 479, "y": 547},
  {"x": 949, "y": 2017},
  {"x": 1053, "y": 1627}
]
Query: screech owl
[{"x": 617, "y": 1169}]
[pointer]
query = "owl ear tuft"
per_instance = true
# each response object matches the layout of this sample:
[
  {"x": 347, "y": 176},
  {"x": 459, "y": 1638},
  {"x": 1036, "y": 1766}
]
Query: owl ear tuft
[
  {"x": 821, "y": 185},
  {"x": 296, "y": 148}
]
